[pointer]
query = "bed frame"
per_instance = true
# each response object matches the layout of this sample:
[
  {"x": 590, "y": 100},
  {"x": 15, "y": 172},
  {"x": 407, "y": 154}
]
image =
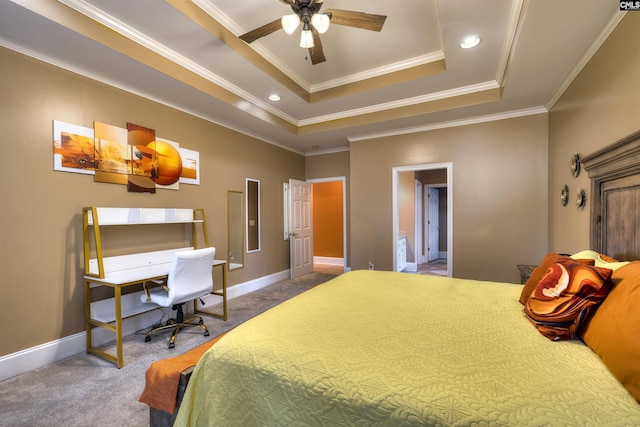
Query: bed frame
[{"x": 158, "y": 418}]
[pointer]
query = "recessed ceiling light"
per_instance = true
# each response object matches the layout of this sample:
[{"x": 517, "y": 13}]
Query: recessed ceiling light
[
  {"x": 274, "y": 97},
  {"x": 244, "y": 105},
  {"x": 469, "y": 42}
]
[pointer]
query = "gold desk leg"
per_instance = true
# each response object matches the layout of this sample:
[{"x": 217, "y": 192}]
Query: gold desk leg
[
  {"x": 118, "y": 301},
  {"x": 117, "y": 328},
  {"x": 224, "y": 291},
  {"x": 87, "y": 311},
  {"x": 223, "y": 294}
]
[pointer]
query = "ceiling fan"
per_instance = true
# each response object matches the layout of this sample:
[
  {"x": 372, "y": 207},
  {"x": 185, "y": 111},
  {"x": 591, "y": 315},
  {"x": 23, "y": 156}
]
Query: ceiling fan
[{"x": 306, "y": 12}]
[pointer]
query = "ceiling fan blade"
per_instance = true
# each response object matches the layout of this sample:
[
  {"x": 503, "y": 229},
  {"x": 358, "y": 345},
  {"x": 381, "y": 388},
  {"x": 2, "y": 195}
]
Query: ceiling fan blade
[
  {"x": 265, "y": 30},
  {"x": 365, "y": 21},
  {"x": 316, "y": 52}
]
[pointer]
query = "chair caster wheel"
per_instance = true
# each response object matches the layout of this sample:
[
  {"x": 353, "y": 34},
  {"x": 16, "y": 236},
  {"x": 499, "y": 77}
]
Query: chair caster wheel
[
  {"x": 147, "y": 339},
  {"x": 172, "y": 345},
  {"x": 201, "y": 321},
  {"x": 206, "y": 333}
]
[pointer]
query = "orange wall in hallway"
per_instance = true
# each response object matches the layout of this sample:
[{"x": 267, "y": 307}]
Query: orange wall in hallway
[{"x": 327, "y": 219}]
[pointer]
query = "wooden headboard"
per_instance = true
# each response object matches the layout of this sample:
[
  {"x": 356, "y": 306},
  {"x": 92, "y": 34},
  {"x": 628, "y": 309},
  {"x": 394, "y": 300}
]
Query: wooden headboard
[{"x": 615, "y": 198}]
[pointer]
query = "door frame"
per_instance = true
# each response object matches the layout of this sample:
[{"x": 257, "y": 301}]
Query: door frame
[
  {"x": 395, "y": 171},
  {"x": 342, "y": 179}
]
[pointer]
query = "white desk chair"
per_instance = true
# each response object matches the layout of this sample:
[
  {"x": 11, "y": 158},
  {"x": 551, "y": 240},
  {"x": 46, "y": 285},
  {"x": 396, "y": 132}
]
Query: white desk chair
[{"x": 189, "y": 278}]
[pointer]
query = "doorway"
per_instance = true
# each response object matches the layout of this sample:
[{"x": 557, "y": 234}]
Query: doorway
[
  {"x": 415, "y": 242},
  {"x": 330, "y": 224},
  {"x": 324, "y": 264}
]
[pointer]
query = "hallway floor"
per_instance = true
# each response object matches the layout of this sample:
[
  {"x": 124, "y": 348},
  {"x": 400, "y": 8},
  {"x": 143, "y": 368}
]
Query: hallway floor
[
  {"x": 328, "y": 268},
  {"x": 434, "y": 268}
]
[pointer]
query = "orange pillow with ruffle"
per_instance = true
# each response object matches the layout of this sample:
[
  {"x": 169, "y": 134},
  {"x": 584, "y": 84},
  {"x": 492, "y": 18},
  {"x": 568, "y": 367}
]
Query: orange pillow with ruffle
[
  {"x": 613, "y": 330},
  {"x": 564, "y": 297},
  {"x": 539, "y": 271}
]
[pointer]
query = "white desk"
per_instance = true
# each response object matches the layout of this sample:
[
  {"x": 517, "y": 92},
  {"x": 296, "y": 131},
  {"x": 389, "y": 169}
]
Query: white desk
[{"x": 128, "y": 277}]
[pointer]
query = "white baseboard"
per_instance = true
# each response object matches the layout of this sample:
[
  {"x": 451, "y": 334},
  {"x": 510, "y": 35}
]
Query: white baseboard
[
  {"x": 328, "y": 260},
  {"x": 255, "y": 284},
  {"x": 41, "y": 355},
  {"x": 411, "y": 267}
]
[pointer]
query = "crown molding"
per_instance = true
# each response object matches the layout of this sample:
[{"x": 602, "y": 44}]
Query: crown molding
[
  {"x": 453, "y": 123},
  {"x": 593, "y": 48},
  {"x": 380, "y": 71},
  {"x": 430, "y": 97},
  {"x": 327, "y": 151}
]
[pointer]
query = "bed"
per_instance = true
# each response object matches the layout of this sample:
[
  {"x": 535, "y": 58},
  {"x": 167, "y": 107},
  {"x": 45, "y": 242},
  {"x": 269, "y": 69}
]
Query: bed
[{"x": 383, "y": 348}]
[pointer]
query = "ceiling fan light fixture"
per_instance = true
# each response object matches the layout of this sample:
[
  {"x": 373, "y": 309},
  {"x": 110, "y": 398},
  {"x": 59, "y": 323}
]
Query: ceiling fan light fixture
[
  {"x": 290, "y": 23},
  {"x": 320, "y": 22},
  {"x": 306, "y": 39}
]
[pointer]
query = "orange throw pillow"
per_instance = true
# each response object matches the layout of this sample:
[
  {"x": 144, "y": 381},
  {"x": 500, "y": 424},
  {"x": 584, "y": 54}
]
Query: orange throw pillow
[
  {"x": 539, "y": 271},
  {"x": 564, "y": 297},
  {"x": 613, "y": 331}
]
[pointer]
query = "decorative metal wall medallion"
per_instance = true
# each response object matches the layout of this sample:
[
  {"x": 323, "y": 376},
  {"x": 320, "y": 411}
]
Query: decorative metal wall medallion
[
  {"x": 581, "y": 199},
  {"x": 575, "y": 165},
  {"x": 564, "y": 195}
]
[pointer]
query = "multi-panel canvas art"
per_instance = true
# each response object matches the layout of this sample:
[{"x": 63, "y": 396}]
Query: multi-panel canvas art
[{"x": 131, "y": 156}]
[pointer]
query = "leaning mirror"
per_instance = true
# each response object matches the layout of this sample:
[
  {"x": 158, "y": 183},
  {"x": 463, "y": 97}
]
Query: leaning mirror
[
  {"x": 235, "y": 236},
  {"x": 253, "y": 215}
]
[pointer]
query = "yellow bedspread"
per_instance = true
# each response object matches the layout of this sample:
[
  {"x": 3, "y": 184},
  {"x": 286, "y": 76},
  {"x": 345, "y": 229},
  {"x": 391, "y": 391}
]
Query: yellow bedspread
[{"x": 381, "y": 348}]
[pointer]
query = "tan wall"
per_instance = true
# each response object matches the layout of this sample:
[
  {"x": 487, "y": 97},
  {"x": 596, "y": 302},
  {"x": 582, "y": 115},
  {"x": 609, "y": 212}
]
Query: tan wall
[
  {"x": 328, "y": 165},
  {"x": 327, "y": 219},
  {"x": 332, "y": 165},
  {"x": 601, "y": 106},
  {"x": 41, "y": 235},
  {"x": 499, "y": 191}
]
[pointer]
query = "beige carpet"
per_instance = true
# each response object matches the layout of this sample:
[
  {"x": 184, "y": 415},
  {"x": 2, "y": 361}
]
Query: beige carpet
[{"x": 84, "y": 390}]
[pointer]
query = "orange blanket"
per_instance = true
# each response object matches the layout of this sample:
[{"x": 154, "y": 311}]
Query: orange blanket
[{"x": 163, "y": 377}]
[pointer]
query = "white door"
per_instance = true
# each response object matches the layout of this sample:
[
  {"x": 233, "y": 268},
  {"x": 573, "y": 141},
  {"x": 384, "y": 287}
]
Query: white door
[
  {"x": 301, "y": 233},
  {"x": 434, "y": 225}
]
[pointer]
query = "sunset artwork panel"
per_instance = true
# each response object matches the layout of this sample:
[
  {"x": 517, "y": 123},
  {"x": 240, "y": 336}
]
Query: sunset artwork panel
[
  {"x": 143, "y": 159},
  {"x": 73, "y": 148},
  {"x": 169, "y": 164},
  {"x": 190, "y": 167},
  {"x": 113, "y": 153}
]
